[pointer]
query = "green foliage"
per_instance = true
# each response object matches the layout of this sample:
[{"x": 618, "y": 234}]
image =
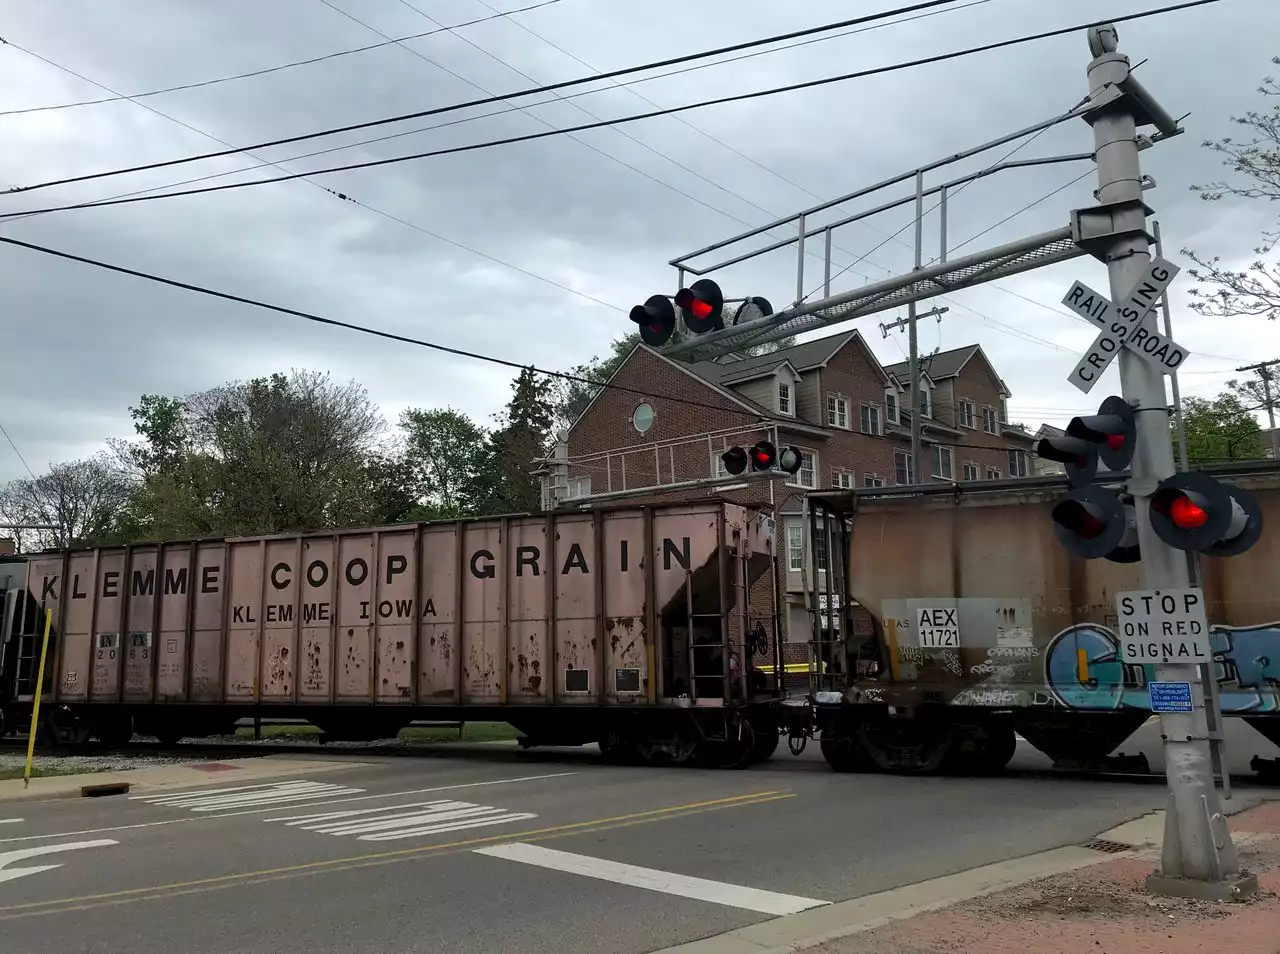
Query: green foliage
[{"x": 1218, "y": 430}]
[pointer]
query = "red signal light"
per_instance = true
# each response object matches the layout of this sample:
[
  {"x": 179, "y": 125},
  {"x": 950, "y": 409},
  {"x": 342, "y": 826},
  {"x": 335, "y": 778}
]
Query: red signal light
[
  {"x": 1115, "y": 442},
  {"x": 700, "y": 308},
  {"x": 1186, "y": 514},
  {"x": 1085, "y": 524}
]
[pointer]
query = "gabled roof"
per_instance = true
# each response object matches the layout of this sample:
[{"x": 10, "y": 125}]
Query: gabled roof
[
  {"x": 946, "y": 364},
  {"x": 801, "y": 357}
]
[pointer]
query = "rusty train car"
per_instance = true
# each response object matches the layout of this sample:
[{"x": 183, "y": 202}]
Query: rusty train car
[
  {"x": 630, "y": 627},
  {"x": 1032, "y": 643}
]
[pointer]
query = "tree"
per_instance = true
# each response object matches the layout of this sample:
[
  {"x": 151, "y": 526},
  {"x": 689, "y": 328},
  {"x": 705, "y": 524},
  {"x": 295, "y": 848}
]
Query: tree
[
  {"x": 523, "y": 438},
  {"x": 1221, "y": 429},
  {"x": 275, "y": 454},
  {"x": 86, "y": 500},
  {"x": 447, "y": 459},
  {"x": 570, "y": 398},
  {"x": 1256, "y": 163}
]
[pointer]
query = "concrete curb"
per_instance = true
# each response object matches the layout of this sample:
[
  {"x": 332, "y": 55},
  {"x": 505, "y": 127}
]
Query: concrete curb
[
  {"x": 787, "y": 935},
  {"x": 164, "y": 777}
]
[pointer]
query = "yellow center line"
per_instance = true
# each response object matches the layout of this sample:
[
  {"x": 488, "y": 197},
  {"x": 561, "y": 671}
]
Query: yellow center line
[{"x": 130, "y": 895}]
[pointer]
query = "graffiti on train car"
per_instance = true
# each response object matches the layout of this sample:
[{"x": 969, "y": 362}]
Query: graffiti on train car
[{"x": 1083, "y": 670}]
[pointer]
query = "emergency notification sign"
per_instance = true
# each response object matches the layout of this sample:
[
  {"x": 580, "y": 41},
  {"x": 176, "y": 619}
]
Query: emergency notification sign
[{"x": 1163, "y": 626}]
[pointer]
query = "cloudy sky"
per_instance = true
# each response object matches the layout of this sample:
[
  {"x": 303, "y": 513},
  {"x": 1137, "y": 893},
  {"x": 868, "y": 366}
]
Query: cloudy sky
[{"x": 534, "y": 252}]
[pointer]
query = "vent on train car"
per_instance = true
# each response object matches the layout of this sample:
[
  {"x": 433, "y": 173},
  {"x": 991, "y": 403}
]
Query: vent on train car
[
  {"x": 626, "y": 680},
  {"x": 577, "y": 680}
]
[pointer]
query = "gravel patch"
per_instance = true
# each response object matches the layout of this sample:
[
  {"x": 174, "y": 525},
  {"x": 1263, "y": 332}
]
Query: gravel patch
[{"x": 75, "y": 764}]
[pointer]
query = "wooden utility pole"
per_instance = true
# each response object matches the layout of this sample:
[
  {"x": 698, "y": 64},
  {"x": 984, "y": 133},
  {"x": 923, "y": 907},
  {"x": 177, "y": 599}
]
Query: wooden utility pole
[{"x": 1266, "y": 372}]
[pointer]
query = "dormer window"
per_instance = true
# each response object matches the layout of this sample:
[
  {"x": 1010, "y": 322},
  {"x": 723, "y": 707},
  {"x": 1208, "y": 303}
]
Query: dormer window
[
  {"x": 784, "y": 398},
  {"x": 891, "y": 404},
  {"x": 926, "y": 404}
]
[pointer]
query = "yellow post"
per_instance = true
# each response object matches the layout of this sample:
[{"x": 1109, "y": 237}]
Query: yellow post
[{"x": 35, "y": 706}]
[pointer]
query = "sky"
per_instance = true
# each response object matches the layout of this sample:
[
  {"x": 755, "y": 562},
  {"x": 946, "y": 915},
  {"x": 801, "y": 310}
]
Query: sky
[{"x": 534, "y": 252}]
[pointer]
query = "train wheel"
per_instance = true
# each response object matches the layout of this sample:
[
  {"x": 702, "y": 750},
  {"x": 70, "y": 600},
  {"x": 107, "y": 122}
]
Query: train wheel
[
  {"x": 907, "y": 748},
  {"x": 766, "y": 743},
  {"x": 844, "y": 753},
  {"x": 1001, "y": 745},
  {"x": 734, "y": 751}
]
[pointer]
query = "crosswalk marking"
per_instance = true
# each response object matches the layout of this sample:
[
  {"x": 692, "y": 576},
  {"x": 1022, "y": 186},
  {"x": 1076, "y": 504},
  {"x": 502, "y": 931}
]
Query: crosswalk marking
[
  {"x": 410, "y": 820},
  {"x": 717, "y": 892},
  {"x": 246, "y": 796}
]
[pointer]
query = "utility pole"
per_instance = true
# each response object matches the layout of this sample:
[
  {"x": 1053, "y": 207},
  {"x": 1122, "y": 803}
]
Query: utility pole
[
  {"x": 1198, "y": 858},
  {"x": 917, "y": 472},
  {"x": 1268, "y": 399},
  {"x": 888, "y": 326}
]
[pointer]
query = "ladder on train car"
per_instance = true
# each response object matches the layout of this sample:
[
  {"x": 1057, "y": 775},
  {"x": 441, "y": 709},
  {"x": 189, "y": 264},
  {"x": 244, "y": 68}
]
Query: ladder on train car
[{"x": 829, "y": 530}]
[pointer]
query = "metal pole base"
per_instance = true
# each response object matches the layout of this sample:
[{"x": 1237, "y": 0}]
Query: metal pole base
[
  {"x": 1222, "y": 881},
  {"x": 1240, "y": 888}
]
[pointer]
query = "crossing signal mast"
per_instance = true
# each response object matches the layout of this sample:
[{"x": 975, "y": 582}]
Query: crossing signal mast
[
  {"x": 700, "y": 307},
  {"x": 1192, "y": 511},
  {"x": 761, "y": 457}
]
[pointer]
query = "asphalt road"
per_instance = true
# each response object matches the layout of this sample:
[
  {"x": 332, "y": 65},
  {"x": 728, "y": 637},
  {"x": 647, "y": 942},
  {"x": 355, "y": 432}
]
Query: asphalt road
[{"x": 494, "y": 850}]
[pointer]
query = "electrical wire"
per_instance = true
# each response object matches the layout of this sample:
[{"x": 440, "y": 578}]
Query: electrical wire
[
  {"x": 657, "y": 64},
  {"x": 262, "y": 72},
  {"x": 402, "y": 339}
]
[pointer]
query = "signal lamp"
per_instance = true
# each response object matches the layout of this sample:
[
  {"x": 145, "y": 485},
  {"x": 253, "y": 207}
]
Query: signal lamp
[
  {"x": 657, "y": 320},
  {"x": 752, "y": 309},
  {"x": 702, "y": 304},
  {"x": 1194, "y": 511},
  {"x": 735, "y": 460},
  {"x": 1093, "y": 522},
  {"x": 789, "y": 460},
  {"x": 763, "y": 456},
  {"x": 1079, "y": 456},
  {"x": 1113, "y": 429}
]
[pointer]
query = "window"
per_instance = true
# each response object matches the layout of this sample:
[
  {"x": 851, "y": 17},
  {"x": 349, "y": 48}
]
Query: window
[
  {"x": 993, "y": 474},
  {"x": 784, "y": 398},
  {"x": 891, "y": 404},
  {"x": 964, "y": 414},
  {"x": 838, "y": 411},
  {"x": 942, "y": 461},
  {"x": 795, "y": 547},
  {"x": 872, "y": 480},
  {"x": 842, "y": 479},
  {"x": 926, "y": 405},
  {"x": 871, "y": 419},
  {"x": 718, "y": 468},
  {"x": 970, "y": 470},
  {"x": 805, "y": 476},
  {"x": 578, "y": 487},
  {"x": 989, "y": 420},
  {"x": 903, "y": 472},
  {"x": 1017, "y": 463}
]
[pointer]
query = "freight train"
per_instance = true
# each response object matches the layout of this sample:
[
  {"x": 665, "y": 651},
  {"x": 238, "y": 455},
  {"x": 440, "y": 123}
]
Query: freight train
[
  {"x": 629, "y": 627},
  {"x": 656, "y": 632}
]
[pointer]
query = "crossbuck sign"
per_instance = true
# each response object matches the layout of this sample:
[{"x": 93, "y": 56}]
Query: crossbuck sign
[{"x": 1121, "y": 325}]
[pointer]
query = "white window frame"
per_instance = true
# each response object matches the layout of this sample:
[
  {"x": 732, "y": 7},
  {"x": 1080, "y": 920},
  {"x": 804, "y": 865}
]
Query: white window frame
[
  {"x": 837, "y": 411},
  {"x": 1019, "y": 462},
  {"x": 785, "y": 395},
  {"x": 892, "y": 405},
  {"x": 938, "y": 453},
  {"x": 843, "y": 480},
  {"x": 994, "y": 419},
  {"x": 925, "y": 402},
  {"x": 866, "y": 413},
  {"x": 872, "y": 480},
  {"x": 993, "y": 473},
  {"x": 964, "y": 414},
  {"x": 796, "y": 479},
  {"x": 577, "y": 487},
  {"x": 795, "y": 532},
  {"x": 972, "y": 468},
  {"x": 909, "y": 467}
]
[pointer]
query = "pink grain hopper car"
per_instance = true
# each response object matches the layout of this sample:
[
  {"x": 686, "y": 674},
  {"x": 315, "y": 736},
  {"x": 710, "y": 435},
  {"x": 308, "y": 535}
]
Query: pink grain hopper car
[{"x": 630, "y": 627}]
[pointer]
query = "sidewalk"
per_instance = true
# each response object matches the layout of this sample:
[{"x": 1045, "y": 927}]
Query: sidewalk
[{"x": 1100, "y": 908}]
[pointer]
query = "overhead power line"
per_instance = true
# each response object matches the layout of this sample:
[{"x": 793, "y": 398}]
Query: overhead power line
[
  {"x": 510, "y": 140},
  {"x": 119, "y": 97},
  {"x": 657, "y": 64},
  {"x": 389, "y": 335}
]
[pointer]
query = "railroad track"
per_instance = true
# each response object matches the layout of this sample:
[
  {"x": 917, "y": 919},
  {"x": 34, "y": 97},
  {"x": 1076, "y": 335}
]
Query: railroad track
[{"x": 201, "y": 750}]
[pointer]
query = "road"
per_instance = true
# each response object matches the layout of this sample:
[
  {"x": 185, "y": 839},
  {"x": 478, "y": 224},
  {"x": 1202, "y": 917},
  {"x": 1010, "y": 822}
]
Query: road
[{"x": 494, "y": 850}]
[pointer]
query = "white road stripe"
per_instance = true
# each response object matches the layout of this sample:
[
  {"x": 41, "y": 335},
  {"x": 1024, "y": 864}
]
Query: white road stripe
[
  {"x": 455, "y": 826},
  {"x": 21, "y": 854},
  {"x": 717, "y": 892},
  {"x": 415, "y": 791},
  {"x": 97, "y": 831},
  {"x": 272, "y": 795},
  {"x": 414, "y": 819},
  {"x": 10, "y": 821}
]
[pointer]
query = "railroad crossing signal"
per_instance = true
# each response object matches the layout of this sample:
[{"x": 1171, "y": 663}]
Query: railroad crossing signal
[
  {"x": 1190, "y": 511},
  {"x": 1121, "y": 326},
  {"x": 761, "y": 456},
  {"x": 1194, "y": 511},
  {"x": 701, "y": 305},
  {"x": 1093, "y": 521}
]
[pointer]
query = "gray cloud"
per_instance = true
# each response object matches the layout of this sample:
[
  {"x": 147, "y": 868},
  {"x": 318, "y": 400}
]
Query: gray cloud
[{"x": 84, "y": 344}]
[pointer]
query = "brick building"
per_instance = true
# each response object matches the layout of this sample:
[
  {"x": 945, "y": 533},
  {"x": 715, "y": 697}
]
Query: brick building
[{"x": 663, "y": 421}]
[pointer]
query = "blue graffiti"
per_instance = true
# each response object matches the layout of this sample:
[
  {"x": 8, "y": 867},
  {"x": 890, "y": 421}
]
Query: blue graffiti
[{"x": 1246, "y": 665}]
